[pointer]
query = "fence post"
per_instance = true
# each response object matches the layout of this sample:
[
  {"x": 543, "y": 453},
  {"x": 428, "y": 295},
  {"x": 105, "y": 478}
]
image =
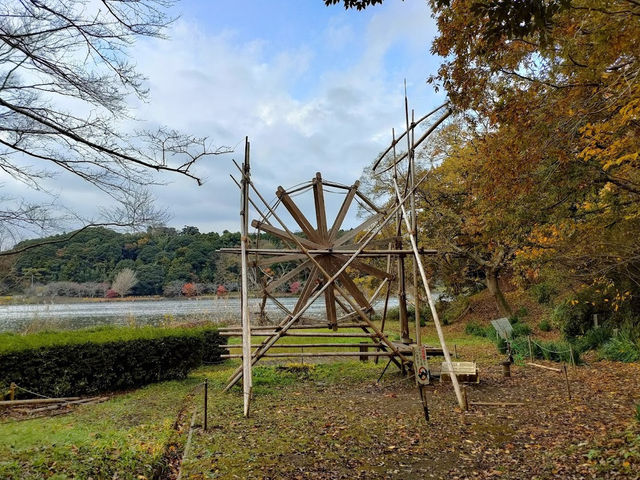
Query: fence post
[
  {"x": 530, "y": 347},
  {"x": 573, "y": 361},
  {"x": 12, "y": 391},
  {"x": 206, "y": 393},
  {"x": 566, "y": 376}
]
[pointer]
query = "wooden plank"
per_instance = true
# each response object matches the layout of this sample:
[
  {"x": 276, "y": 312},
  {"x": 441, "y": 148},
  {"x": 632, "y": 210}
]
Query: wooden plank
[
  {"x": 307, "y": 345},
  {"x": 330, "y": 334},
  {"x": 316, "y": 354},
  {"x": 36, "y": 401}
]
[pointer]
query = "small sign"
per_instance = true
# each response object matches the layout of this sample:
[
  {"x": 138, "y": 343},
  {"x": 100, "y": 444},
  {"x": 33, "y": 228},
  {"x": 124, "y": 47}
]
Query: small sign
[
  {"x": 421, "y": 365},
  {"x": 503, "y": 328}
]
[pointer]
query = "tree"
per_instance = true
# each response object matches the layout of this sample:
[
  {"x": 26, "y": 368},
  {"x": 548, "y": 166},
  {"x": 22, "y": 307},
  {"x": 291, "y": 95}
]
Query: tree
[
  {"x": 64, "y": 85},
  {"x": 124, "y": 281}
]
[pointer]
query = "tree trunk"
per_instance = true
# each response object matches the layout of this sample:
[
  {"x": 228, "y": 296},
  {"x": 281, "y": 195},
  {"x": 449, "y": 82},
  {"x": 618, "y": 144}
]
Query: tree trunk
[{"x": 493, "y": 285}]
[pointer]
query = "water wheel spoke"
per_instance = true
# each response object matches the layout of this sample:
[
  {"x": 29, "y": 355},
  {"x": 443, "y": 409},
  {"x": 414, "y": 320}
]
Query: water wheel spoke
[
  {"x": 367, "y": 268},
  {"x": 283, "y": 235},
  {"x": 342, "y": 213},
  {"x": 351, "y": 234},
  {"x": 298, "y": 216}
]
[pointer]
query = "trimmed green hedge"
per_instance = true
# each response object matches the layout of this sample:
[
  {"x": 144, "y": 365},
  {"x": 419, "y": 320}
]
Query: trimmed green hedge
[{"x": 95, "y": 365}]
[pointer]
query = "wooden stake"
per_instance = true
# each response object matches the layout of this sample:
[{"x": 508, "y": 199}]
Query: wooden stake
[
  {"x": 530, "y": 348},
  {"x": 12, "y": 391},
  {"x": 206, "y": 409},
  {"x": 566, "y": 377},
  {"x": 465, "y": 398}
]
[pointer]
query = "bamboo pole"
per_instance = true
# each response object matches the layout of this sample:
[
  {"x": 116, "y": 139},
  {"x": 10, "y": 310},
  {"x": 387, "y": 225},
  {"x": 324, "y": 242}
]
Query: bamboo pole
[
  {"x": 305, "y": 345},
  {"x": 544, "y": 367},
  {"x": 434, "y": 313},
  {"x": 36, "y": 401},
  {"x": 566, "y": 377},
  {"x": 414, "y": 227},
  {"x": 246, "y": 327},
  {"x": 314, "y": 354}
]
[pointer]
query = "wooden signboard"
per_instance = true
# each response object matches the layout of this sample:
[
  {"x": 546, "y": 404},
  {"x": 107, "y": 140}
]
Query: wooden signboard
[{"x": 421, "y": 365}]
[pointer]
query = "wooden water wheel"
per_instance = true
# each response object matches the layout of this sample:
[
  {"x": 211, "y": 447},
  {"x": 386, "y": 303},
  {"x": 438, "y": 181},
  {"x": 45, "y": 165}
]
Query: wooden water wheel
[{"x": 329, "y": 246}]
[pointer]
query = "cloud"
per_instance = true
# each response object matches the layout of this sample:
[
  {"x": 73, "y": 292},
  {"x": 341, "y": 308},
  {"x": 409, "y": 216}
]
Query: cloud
[{"x": 327, "y": 103}]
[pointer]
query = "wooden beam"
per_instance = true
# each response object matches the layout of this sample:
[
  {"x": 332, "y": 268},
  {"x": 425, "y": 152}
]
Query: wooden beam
[
  {"x": 316, "y": 354},
  {"x": 342, "y": 213},
  {"x": 321, "y": 214},
  {"x": 282, "y": 235},
  {"x": 298, "y": 216},
  {"x": 351, "y": 234}
]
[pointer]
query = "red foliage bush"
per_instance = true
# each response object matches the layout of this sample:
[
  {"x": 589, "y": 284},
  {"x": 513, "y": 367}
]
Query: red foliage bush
[
  {"x": 111, "y": 294},
  {"x": 189, "y": 290},
  {"x": 221, "y": 290},
  {"x": 294, "y": 287}
]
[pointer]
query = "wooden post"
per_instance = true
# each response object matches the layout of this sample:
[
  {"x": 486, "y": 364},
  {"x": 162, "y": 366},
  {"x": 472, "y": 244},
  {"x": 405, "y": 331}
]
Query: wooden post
[
  {"x": 364, "y": 348},
  {"x": 530, "y": 348},
  {"x": 566, "y": 377},
  {"x": 12, "y": 391},
  {"x": 423, "y": 398},
  {"x": 206, "y": 394},
  {"x": 246, "y": 327},
  {"x": 432, "y": 305},
  {"x": 455, "y": 351},
  {"x": 465, "y": 396},
  {"x": 573, "y": 360}
]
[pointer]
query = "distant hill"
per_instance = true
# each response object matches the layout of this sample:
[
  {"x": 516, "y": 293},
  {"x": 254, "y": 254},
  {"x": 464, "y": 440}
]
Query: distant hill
[{"x": 160, "y": 257}]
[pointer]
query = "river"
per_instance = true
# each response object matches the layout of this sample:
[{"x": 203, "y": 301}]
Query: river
[{"x": 56, "y": 316}]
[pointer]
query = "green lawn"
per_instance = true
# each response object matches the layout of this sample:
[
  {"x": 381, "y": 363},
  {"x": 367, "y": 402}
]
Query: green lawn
[{"x": 122, "y": 438}]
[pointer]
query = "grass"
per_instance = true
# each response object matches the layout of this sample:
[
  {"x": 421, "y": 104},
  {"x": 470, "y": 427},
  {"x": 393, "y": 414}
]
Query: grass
[
  {"x": 12, "y": 342},
  {"x": 122, "y": 438}
]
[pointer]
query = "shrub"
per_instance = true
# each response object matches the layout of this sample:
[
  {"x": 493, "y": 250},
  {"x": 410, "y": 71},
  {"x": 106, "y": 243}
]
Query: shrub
[
  {"x": 544, "y": 293},
  {"x": 621, "y": 348},
  {"x": 475, "y": 329},
  {"x": 89, "y": 367},
  {"x": 593, "y": 339},
  {"x": 521, "y": 330},
  {"x": 111, "y": 294},
  {"x": 637, "y": 415},
  {"x": 189, "y": 290},
  {"x": 545, "y": 325},
  {"x": 553, "y": 351}
]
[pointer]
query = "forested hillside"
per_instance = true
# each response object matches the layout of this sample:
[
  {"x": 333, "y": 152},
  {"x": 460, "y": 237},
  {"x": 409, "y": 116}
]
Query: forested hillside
[{"x": 162, "y": 258}]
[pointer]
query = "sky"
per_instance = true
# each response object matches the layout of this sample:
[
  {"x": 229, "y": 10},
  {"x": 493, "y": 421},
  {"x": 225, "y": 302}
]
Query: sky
[{"x": 315, "y": 88}]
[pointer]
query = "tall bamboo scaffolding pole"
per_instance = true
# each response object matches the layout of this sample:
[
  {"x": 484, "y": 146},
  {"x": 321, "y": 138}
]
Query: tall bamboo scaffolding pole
[
  {"x": 434, "y": 313},
  {"x": 246, "y": 327},
  {"x": 413, "y": 233}
]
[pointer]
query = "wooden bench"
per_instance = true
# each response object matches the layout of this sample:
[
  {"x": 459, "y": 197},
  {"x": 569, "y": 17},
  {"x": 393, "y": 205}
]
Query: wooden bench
[{"x": 466, "y": 372}]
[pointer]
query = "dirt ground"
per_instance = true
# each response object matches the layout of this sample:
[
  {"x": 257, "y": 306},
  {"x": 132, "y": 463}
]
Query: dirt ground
[{"x": 322, "y": 427}]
